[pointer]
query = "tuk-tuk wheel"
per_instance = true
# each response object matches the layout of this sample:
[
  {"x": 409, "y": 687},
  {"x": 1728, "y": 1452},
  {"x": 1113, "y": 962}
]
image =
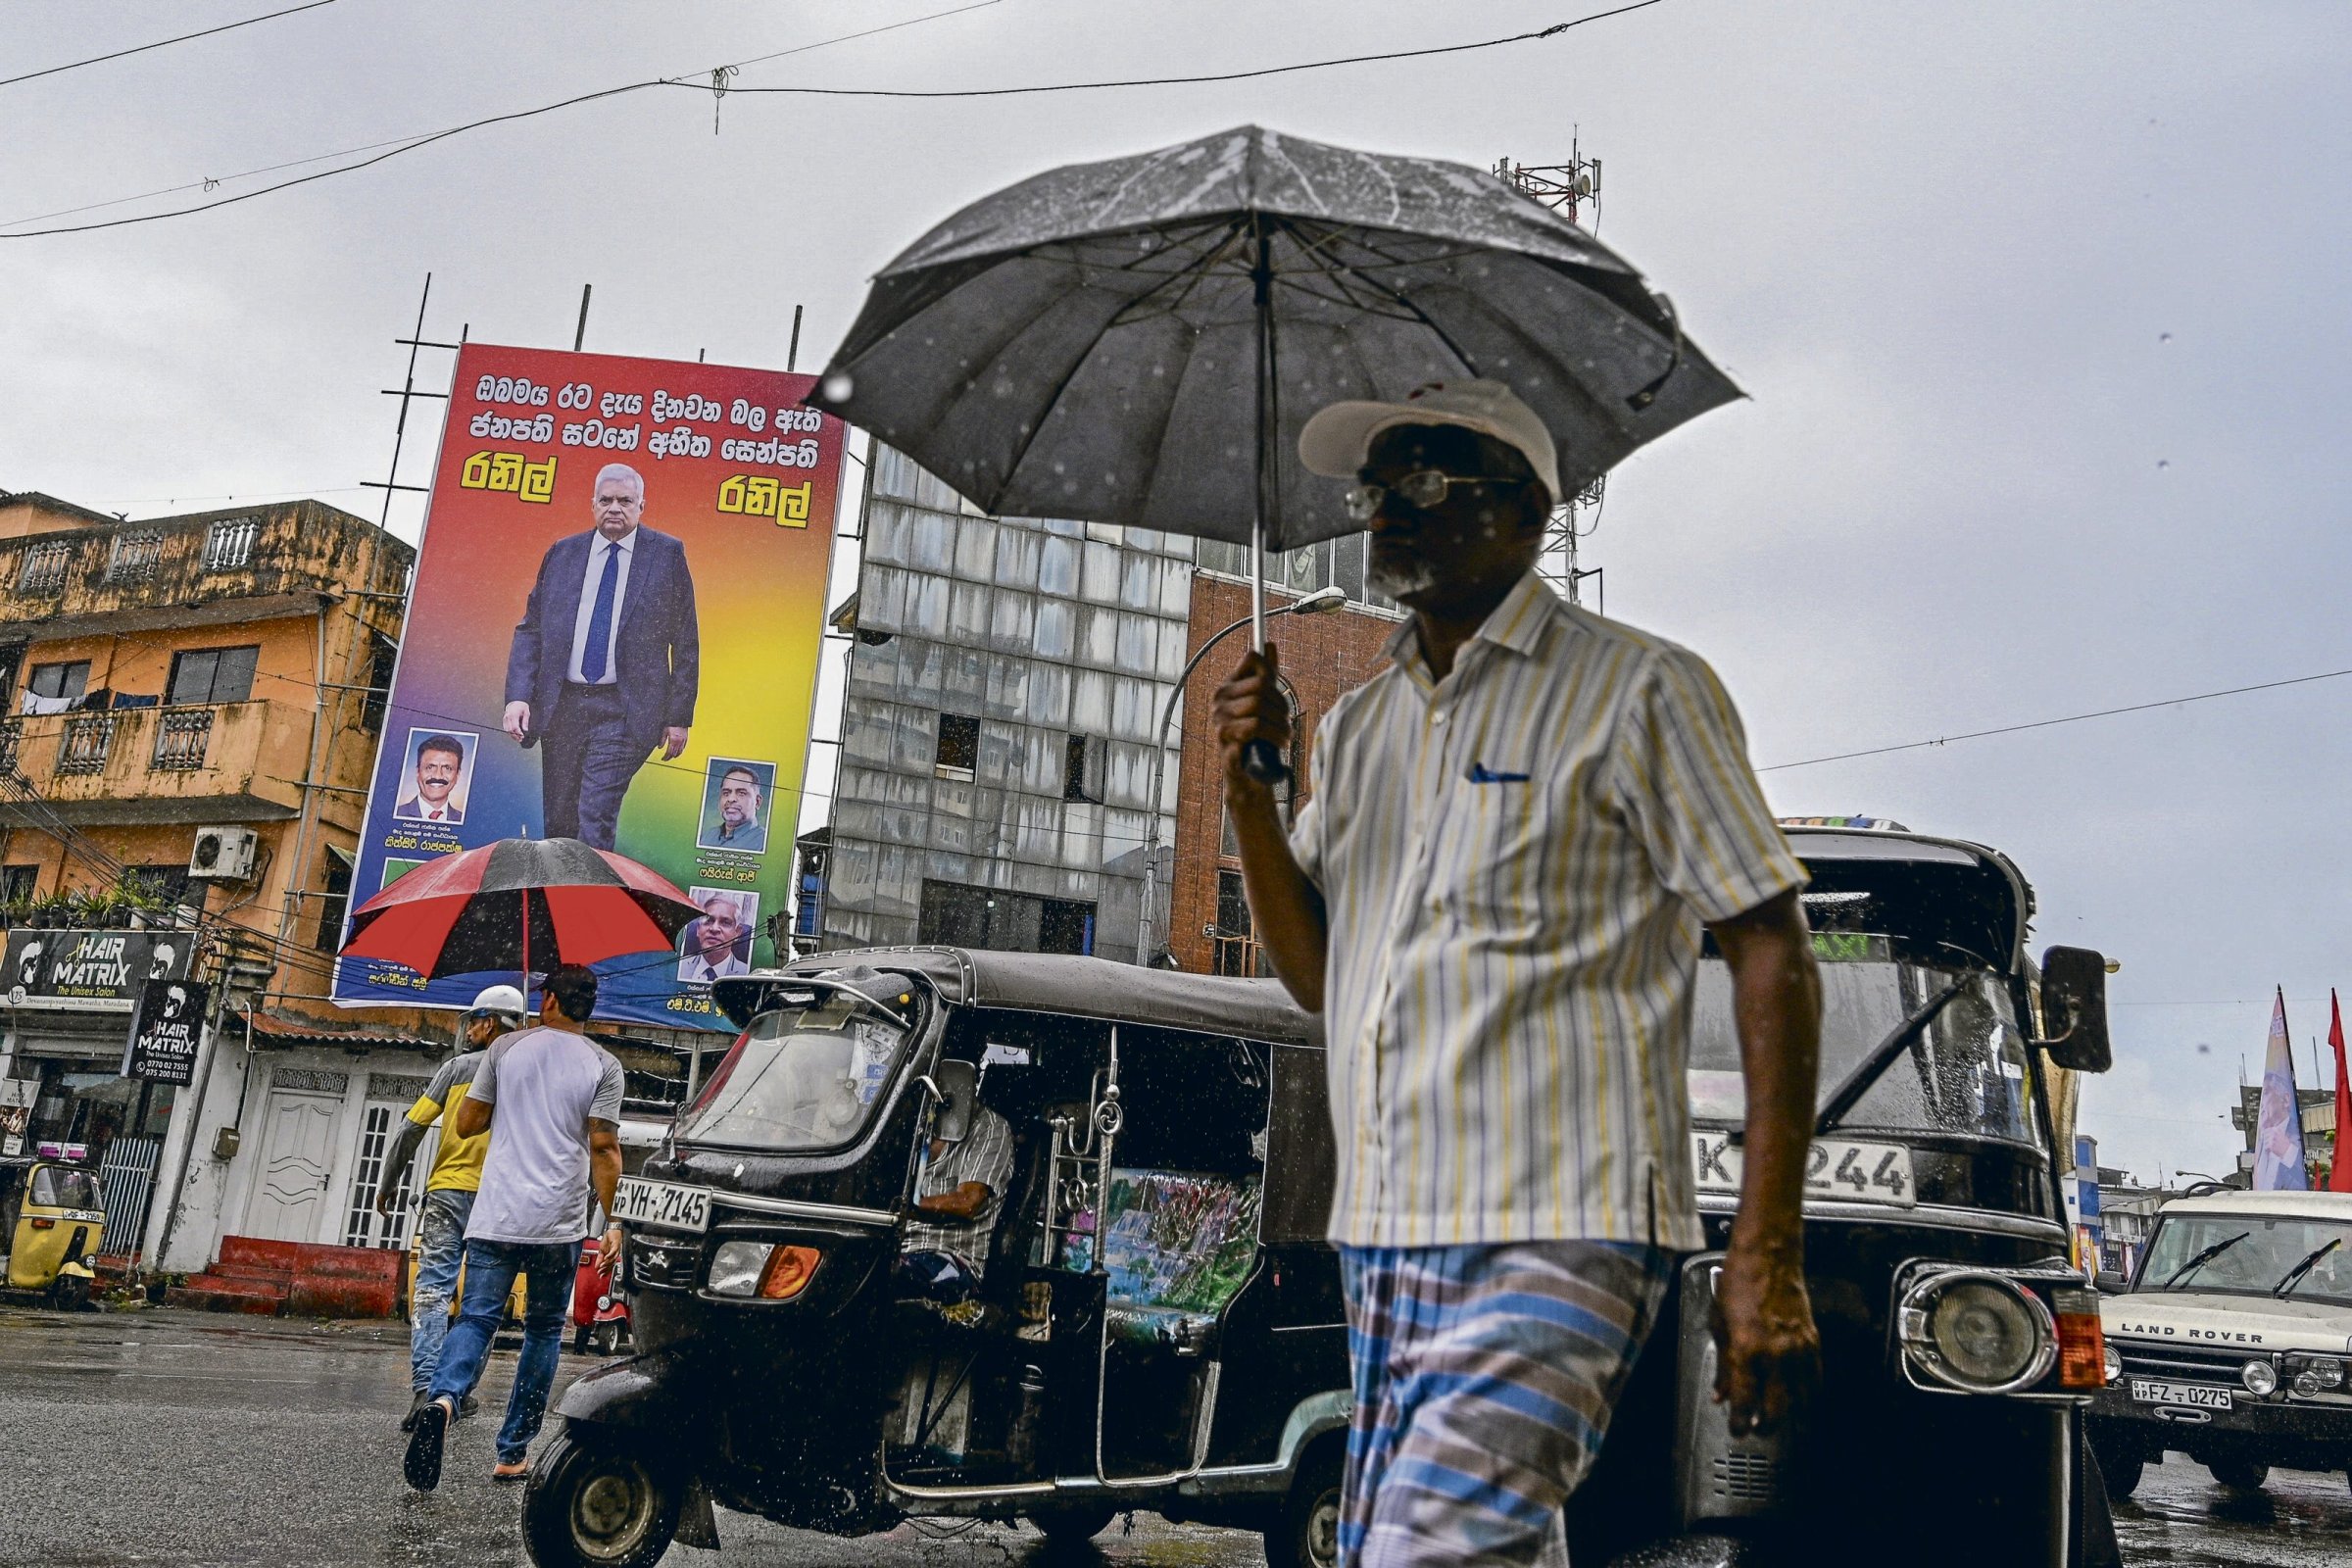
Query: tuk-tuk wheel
[
  {"x": 599, "y": 1503},
  {"x": 71, "y": 1292},
  {"x": 2240, "y": 1475},
  {"x": 1307, "y": 1533},
  {"x": 1075, "y": 1524},
  {"x": 608, "y": 1337}
]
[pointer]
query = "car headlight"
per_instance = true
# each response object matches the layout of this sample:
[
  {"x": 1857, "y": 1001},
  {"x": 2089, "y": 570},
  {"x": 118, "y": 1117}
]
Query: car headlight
[
  {"x": 761, "y": 1269},
  {"x": 1978, "y": 1333},
  {"x": 2115, "y": 1365},
  {"x": 2259, "y": 1378},
  {"x": 2315, "y": 1374}
]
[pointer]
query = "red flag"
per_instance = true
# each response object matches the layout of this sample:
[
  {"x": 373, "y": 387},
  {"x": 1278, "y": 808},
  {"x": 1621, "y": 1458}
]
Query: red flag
[{"x": 2339, "y": 1174}]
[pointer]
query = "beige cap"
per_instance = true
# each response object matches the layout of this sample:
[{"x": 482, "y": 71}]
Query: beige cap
[{"x": 1335, "y": 440}]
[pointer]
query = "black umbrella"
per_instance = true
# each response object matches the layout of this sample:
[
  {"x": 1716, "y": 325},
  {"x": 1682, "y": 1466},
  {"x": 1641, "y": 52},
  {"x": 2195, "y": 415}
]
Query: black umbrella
[{"x": 1138, "y": 341}]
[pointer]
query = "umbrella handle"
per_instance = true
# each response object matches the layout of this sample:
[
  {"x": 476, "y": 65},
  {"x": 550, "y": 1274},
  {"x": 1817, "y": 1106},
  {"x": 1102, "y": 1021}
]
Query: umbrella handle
[{"x": 1262, "y": 763}]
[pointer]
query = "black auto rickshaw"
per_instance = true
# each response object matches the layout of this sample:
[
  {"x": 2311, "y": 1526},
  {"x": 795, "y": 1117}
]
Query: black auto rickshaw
[
  {"x": 52, "y": 1218},
  {"x": 1159, "y": 1323},
  {"x": 1163, "y": 1326}
]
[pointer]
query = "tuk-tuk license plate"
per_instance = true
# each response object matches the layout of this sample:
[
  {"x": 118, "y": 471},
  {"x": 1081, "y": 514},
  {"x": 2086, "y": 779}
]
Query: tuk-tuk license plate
[
  {"x": 665, "y": 1205},
  {"x": 2151, "y": 1391},
  {"x": 1838, "y": 1168}
]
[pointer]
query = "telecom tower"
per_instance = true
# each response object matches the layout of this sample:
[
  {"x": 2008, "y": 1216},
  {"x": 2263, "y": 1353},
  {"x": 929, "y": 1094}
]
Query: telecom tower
[{"x": 1572, "y": 189}]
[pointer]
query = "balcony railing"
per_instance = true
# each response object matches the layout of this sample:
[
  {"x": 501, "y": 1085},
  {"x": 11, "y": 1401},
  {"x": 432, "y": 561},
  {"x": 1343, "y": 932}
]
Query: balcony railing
[
  {"x": 135, "y": 557},
  {"x": 228, "y": 543},
  {"x": 182, "y": 736},
  {"x": 11, "y": 735},
  {"x": 87, "y": 739},
  {"x": 1240, "y": 955},
  {"x": 44, "y": 566}
]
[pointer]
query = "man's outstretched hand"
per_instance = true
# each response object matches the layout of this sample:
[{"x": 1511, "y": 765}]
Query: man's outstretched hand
[
  {"x": 1768, "y": 1352},
  {"x": 673, "y": 741}
]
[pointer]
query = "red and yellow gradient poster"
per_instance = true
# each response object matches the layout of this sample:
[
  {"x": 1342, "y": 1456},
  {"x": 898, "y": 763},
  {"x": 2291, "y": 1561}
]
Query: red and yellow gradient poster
[{"x": 614, "y": 634}]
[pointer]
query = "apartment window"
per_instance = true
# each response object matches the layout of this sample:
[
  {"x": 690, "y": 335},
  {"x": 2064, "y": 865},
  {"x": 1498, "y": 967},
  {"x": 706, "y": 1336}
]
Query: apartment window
[
  {"x": 1082, "y": 778},
  {"x": 212, "y": 674},
  {"x": 228, "y": 543},
  {"x": 959, "y": 752},
  {"x": 63, "y": 680},
  {"x": 135, "y": 557},
  {"x": 17, "y": 884},
  {"x": 962, "y": 916},
  {"x": 383, "y": 653},
  {"x": 333, "y": 903},
  {"x": 166, "y": 883}
]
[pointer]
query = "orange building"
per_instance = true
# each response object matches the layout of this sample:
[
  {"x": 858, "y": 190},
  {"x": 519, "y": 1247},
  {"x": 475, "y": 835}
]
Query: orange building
[{"x": 191, "y": 707}]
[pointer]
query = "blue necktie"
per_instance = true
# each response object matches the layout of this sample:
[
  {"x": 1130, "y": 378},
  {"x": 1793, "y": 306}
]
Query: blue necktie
[{"x": 597, "y": 656}]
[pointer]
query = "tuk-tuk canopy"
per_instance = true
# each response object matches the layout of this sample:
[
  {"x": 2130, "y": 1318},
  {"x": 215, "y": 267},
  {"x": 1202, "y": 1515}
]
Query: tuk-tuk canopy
[{"x": 1056, "y": 983}]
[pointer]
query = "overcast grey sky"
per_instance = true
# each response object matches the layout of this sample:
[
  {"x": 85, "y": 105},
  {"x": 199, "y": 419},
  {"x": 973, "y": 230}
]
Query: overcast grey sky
[{"x": 2040, "y": 308}]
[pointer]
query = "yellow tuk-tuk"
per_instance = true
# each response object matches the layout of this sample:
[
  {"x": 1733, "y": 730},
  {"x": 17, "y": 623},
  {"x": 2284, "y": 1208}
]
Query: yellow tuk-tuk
[{"x": 53, "y": 1219}]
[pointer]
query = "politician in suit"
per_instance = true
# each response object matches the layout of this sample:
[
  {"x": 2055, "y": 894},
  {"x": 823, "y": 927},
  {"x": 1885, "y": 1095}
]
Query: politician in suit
[{"x": 607, "y": 661}]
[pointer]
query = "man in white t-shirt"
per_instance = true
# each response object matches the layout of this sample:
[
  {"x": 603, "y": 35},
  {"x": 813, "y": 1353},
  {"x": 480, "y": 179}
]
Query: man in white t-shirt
[{"x": 550, "y": 1098}]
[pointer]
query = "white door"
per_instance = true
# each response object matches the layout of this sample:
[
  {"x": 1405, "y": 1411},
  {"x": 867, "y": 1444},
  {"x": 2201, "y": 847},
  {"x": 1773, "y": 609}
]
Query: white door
[{"x": 298, "y": 1161}]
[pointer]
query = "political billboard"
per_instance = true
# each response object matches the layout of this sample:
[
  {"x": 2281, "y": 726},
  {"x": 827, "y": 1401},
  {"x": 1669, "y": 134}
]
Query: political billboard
[{"x": 612, "y": 636}]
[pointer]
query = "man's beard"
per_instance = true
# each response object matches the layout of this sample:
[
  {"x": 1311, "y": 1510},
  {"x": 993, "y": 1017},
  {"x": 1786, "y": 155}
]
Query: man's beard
[{"x": 1400, "y": 576}]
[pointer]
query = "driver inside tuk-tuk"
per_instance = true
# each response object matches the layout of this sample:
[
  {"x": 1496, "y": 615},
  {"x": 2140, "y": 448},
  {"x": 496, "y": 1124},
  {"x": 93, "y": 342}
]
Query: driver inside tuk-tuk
[{"x": 958, "y": 1194}]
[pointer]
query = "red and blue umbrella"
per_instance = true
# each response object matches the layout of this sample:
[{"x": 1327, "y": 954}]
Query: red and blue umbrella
[{"x": 525, "y": 904}]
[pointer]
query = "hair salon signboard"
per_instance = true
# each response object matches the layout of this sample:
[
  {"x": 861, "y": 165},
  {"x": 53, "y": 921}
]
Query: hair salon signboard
[
  {"x": 89, "y": 971},
  {"x": 166, "y": 1031}
]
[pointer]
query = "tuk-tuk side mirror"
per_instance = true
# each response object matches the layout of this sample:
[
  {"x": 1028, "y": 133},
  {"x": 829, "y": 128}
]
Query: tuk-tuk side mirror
[
  {"x": 2074, "y": 1008},
  {"x": 959, "y": 1084}
]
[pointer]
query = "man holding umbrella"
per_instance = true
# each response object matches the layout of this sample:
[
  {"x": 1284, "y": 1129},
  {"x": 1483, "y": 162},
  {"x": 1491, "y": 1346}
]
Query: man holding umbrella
[{"x": 1496, "y": 894}]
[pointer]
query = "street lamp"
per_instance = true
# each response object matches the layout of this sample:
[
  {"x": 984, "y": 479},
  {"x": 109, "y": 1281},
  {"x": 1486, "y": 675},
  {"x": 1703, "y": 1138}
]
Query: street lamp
[{"x": 1327, "y": 598}]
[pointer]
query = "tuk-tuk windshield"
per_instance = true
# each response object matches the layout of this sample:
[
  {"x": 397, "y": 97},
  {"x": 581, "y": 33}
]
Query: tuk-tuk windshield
[
  {"x": 2251, "y": 1254},
  {"x": 799, "y": 1079},
  {"x": 61, "y": 1187},
  {"x": 1964, "y": 1074}
]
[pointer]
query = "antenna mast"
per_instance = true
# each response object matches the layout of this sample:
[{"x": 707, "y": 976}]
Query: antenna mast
[{"x": 1571, "y": 190}]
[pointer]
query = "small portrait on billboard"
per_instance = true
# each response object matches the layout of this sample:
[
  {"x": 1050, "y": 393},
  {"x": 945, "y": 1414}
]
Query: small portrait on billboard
[
  {"x": 436, "y": 777},
  {"x": 736, "y": 799},
  {"x": 605, "y": 665},
  {"x": 717, "y": 943}
]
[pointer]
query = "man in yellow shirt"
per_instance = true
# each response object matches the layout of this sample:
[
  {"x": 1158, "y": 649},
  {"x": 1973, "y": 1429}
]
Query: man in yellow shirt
[{"x": 449, "y": 1186}]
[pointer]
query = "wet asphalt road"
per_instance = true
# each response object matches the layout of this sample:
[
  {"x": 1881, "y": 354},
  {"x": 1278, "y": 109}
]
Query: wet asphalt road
[{"x": 193, "y": 1440}]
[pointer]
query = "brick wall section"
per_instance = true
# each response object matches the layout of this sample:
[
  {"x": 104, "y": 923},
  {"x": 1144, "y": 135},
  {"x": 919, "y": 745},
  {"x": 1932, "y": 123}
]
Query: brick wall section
[{"x": 1322, "y": 657}]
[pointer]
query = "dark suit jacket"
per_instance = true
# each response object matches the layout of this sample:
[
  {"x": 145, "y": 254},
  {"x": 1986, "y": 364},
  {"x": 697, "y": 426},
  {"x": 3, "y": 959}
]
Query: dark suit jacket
[{"x": 656, "y": 649}]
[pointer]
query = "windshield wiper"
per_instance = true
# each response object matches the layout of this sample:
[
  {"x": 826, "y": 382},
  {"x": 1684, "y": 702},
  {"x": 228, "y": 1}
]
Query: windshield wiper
[
  {"x": 1868, "y": 1070},
  {"x": 2202, "y": 1258},
  {"x": 2311, "y": 1260}
]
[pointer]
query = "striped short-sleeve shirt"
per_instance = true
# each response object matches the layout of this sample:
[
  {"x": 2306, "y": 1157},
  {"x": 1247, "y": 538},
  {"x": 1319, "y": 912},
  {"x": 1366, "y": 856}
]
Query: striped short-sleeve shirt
[{"x": 1516, "y": 862}]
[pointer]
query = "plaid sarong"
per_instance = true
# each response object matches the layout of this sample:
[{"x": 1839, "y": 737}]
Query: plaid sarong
[{"x": 1485, "y": 1377}]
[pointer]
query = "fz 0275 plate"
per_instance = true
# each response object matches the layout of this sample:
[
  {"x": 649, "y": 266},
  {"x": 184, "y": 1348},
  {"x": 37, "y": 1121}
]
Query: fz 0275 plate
[
  {"x": 1836, "y": 1167},
  {"x": 663, "y": 1206},
  {"x": 2188, "y": 1395}
]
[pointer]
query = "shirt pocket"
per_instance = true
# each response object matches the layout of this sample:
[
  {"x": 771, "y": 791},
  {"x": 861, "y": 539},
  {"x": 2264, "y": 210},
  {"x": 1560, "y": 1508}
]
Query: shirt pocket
[{"x": 1502, "y": 840}]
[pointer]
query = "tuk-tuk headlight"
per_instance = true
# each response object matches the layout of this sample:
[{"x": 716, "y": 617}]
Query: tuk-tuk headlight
[
  {"x": 1978, "y": 1333},
  {"x": 761, "y": 1269}
]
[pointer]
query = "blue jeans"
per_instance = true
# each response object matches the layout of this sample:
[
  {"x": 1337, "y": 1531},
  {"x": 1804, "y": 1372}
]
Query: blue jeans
[
  {"x": 547, "y": 1270},
  {"x": 441, "y": 1247}
]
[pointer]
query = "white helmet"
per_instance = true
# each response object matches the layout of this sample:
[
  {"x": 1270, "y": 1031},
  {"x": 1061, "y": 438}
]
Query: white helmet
[{"x": 504, "y": 1001}]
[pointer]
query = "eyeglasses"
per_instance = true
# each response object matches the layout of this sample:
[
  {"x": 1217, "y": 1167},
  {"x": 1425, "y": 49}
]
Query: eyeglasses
[{"x": 1420, "y": 489}]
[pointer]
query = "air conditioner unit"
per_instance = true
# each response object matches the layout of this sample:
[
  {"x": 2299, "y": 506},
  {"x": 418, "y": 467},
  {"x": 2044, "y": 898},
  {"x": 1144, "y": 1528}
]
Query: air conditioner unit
[{"x": 224, "y": 853}]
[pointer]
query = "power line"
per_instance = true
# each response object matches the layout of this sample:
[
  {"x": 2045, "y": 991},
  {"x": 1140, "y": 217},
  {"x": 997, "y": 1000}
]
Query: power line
[
  {"x": 163, "y": 43},
  {"x": 405, "y": 145},
  {"x": 1184, "y": 81},
  {"x": 2071, "y": 719}
]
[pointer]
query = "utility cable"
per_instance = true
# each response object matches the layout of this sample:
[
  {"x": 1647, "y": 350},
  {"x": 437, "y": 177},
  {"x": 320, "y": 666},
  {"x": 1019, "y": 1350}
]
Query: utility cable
[
  {"x": 161, "y": 43},
  {"x": 701, "y": 81},
  {"x": 2071, "y": 719}
]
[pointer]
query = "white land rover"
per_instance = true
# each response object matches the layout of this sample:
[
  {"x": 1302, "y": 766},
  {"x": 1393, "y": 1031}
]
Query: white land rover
[{"x": 2232, "y": 1344}]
